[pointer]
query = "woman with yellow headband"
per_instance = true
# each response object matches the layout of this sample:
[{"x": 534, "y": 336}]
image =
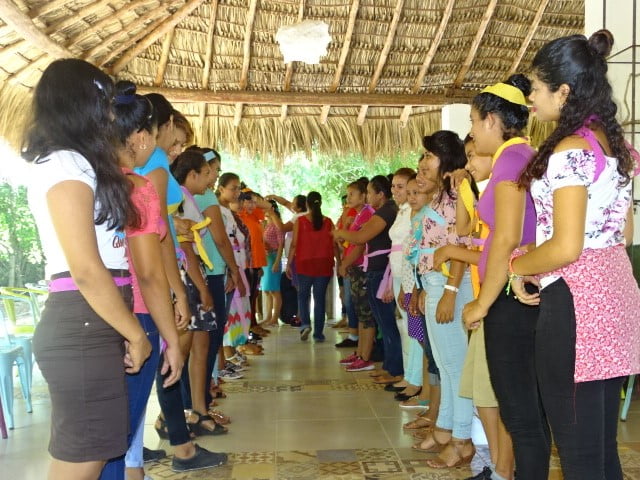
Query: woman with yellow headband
[{"x": 499, "y": 116}]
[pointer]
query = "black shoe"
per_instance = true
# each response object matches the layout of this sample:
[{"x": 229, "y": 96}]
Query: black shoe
[
  {"x": 202, "y": 459},
  {"x": 304, "y": 334},
  {"x": 403, "y": 397},
  {"x": 391, "y": 388},
  {"x": 149, "y": 455},
  {"x": 347, "y": 342},
  {"x": 485, "y": 474}
]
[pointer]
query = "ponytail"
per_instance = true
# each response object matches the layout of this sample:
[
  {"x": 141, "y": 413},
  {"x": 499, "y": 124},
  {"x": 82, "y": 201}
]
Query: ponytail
[{"x": 314, "y": 202}]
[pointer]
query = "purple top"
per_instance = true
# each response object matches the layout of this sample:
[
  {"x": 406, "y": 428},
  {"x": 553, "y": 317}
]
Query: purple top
[{"x": 507, "y": 168}]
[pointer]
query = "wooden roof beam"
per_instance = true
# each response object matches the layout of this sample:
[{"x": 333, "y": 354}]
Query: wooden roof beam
[
  {"x": 393, "y": 27},
  {"x": 123, "y": 32},
  {"x": 230, "y": 97},
  {"x": 132, "y": 41},
  {"x": 24, "y": 26},
  {"x": 246, "y": 57},
  {"x": 20, "y": 75},
  {"x": 486, "y": 18},
  {"x": 527, "y": 40},
  {"x": 448, "y": 10},
  {"x": 288, "y": 74},
  {"x": 164, "y": 57},
  {"x": 346, "y": 47},
  {"x": 78, "y": 16},
  {"x": 208, "y": 57},
  {"x": 154, "y": 35}
]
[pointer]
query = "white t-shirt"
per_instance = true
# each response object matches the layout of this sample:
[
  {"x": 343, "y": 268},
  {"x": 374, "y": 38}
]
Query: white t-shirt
[
  {"x": 236, "y": 237},
  {"x": 58, "y": 167},
  {"x": 398, "y": 233}
]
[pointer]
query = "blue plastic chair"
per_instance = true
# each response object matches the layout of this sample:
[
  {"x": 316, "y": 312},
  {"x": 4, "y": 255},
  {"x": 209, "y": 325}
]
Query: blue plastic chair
[
  {"x": 627, "y": 398},
  {"x": 22, "y": 339},
  {"x": 14, "y": 351}
]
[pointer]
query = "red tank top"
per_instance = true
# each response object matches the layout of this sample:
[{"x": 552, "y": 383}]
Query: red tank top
[{"x": 314, "y": 248}]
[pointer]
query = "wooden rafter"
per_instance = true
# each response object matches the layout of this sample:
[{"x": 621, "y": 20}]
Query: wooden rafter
[
  {"x": 208, "y": 57},
  {"x": 132, "y": 41},
  {"x": 203, "y": 119},
  {"x": 527, "y": 40},
  {"x": 448, "y": 10},
  {"x": 382, "y": 60},
  {"x": 108, "y": 20},
  {"x": 346, "y": 46},
  {"x": 231, "y": 97},
  {"x": 484, "y": 23},
  {"x": 77, "y": 16},
  {"x": 158, "y": 32},
  {"x": 164, "y": 57},
  {"x": 15, "y": 47},
  {"x": 246, "y": 57},
  {"x": 288, "y": 74},
  {"x": 123, "y": 32},
  {"x": 24, "y": 26}
]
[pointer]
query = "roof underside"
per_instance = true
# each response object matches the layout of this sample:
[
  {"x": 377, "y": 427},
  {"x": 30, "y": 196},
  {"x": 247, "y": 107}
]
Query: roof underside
[{"x": 390, "y": 66}]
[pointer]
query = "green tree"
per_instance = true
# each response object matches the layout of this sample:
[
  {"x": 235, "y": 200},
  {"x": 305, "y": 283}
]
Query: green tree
[{"x": 21, "y": 258}]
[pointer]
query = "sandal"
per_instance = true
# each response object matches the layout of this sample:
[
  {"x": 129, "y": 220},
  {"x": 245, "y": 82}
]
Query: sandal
[
  {"x": 437, "y": 447},
  {"x": 422, "y": 433},
  {"x": 199, "y": 430},
  {"x": 161, "y": 427},
  {"x": 217, "y": 393},
  {"x": 219, "y": 417},
  {"x": 458, "y": 446},
  {"x": 418, "y": 424}
]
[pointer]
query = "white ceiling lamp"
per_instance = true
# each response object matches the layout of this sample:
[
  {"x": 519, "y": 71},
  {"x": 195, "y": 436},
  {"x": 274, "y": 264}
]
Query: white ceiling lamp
[{"x": 306, "y": 41}]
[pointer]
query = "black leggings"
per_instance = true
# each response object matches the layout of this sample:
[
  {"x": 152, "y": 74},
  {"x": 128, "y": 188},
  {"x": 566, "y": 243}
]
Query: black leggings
[
  {"x": 583, "y": 416},
  {"x": 510, "y": 335}
]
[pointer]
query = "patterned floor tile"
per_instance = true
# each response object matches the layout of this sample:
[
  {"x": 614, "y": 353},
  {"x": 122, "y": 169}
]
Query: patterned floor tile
[
  {"x": 631, "y": 473},
  {"x": 340, "y": 468},
  {"x": 298, "y": 471},
  {"x": 262, "y": 471},
  {"x": 382, "y": 466},
  {"x": 375, "y": 454},
  {"x": 329, "y": 456},
  {"x": 252, "y": 457},
  {"x": 296, "y": 456}
]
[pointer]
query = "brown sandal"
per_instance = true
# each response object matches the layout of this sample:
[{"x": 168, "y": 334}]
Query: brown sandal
[
  {"x": 219, "y": 417},
  {"x": 437, "y": 447},
  {"x": 458, "y": 446},
  {"x": 418, "y": 424}
]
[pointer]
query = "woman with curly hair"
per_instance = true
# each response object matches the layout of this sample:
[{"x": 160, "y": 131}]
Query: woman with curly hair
[{"x": 588, "y": 335}]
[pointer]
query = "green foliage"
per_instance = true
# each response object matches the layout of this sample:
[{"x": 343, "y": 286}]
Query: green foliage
[
  {"x": 21, "y": 258},
  {"x": 300, "y": 174}
]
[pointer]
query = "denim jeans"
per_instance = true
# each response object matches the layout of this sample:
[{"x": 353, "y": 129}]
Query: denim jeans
[
  {"x": 138, "y": 389},
  {"x": 510, "y": 336},
  {"x": 319, "y": 285},
  {"x": 352, "y": 317},
  {"x": 385, "y": 316},
  {"x": 583, "y": 416},
  {"x": 449, "y": 345}
]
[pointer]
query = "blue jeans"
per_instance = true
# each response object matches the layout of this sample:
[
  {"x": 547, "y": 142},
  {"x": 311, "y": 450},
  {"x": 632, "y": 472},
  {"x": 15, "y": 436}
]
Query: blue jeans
[
  {"x": 319, "y": 285},
  {"x": 138, "y": 389},
  {"x": 449, "y": 345},
  {"x": 385, "y": 315},
  {"x": 352, "y": 316}
]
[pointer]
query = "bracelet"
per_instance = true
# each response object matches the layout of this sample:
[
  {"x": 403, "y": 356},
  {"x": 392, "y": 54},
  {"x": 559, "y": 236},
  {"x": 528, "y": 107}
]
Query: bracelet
[
  {"x": 511, "y": 275},
  {"x": 451, "y": 288}
]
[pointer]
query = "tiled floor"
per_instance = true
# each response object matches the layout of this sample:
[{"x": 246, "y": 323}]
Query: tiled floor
[{"x": 296, "y": 415}]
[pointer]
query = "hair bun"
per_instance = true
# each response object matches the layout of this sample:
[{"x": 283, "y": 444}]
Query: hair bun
[
  {"x": 521, "y": 82},
  {"x": 125, "y": 87},
  {"x": 601, "y": 42}
]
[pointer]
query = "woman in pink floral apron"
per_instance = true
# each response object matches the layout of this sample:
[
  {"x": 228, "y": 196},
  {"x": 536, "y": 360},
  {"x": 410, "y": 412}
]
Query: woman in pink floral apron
[{"x": 588, "y": 333}]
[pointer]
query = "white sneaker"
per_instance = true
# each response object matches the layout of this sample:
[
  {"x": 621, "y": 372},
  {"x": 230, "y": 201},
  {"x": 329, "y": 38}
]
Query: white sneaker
[{"x": 229, "y": 375}]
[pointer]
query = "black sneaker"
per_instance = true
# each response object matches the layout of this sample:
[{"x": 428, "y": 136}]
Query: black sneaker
[
  {"x": 485, "y": 474},
  {"x": 149, "y": 455},
  {"x": 347, "y": 342},
  {"x": 202, "y": 459},
  {"x": 304, "y": 334}
]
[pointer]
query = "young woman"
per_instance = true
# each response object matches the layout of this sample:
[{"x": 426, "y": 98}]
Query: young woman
[
  {"x": 272, "y": 272},
  {"x": 587, "y": 336},
  {"x": 375, "y": 235},
  {"x": 136, "y": 130},
  {"x": 447, "y": 291},
  {"x": 80, "y": 201},
  {"x": 313, "y": 250},
  {"x": 361, "y": 321}
]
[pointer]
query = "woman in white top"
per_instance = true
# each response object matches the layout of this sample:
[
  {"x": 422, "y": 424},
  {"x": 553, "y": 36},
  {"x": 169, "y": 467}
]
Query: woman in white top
[{"x": 80, "y": 200}]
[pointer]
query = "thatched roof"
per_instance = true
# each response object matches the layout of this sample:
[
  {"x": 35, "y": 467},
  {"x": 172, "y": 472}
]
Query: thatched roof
[{"x": 390, "y": 66}]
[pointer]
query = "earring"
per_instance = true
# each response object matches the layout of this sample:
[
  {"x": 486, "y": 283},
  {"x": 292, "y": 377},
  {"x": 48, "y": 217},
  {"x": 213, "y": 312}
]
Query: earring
[{"x": 143, "y": 146}]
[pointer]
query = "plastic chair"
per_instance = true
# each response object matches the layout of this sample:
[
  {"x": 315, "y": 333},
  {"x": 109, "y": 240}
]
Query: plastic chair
[
  {"x": 3, "y": 425},
  {"x": 14, "y": 351},
  {"x": 627, "y": 398},
  {"x": 10, "y": 335}
]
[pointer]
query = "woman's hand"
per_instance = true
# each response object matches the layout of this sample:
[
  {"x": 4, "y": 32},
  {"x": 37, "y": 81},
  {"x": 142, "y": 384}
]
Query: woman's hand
[
  {"x": 230, "y": 284},
  {"x": 172, "y": 363},
  {"x": 206, "y": 302},
  {"x": 400, "y": 300},
  {"x": 338, "y": 235},
  {"x": 521, "y": 294},
  {"x": 473, "y": 313},
  {"x": 136, "y": 352},
  {"x": 388, "y": 296},
  {"x": 446, "y": 306},
  {"x": 342, "y": 270},
  {"x": 276, "y": 267},
  {"x": 183, "y": 227},
  {"x": 457, "y": 176},
  {"x": 237, "y": 281},
  {"x": 440, "y": 256},
  {"x": 182, "y": 312}
]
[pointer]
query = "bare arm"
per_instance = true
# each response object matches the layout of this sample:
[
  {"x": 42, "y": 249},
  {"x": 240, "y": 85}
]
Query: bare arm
[
  {"x": 195, "y": 274},
  {"x": 219, "y": 234},
  {"x": 71, "y": 206},
  {"x": 369, "y": 230},
  {"x": 628, "y": 227}
]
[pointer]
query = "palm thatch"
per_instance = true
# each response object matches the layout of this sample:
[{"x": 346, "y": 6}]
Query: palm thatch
[{"x": 389, "y": 68}]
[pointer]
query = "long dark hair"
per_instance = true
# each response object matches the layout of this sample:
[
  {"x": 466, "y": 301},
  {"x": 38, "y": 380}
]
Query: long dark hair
[
  {"x": 300, "y": 201},
  {"x": 72, "y": 111},
  {"x": 133, "y": 112},
  {"x": 314, "y": 205},
  {"x": 448, "y": 147},
  {"x": 581, "y": 64},
  {"x": 163, "y": 108},
  {"x": 186, "y": 162},
  {"x": 514, "y": 117},
  {"x": 360, "y": 185},
  {"x": 472, "y": 182},
  {"x": 381, "y": 183}
]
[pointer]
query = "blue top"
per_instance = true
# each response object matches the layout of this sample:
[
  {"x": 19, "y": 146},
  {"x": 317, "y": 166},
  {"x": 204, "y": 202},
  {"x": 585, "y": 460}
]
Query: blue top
[{"x": 205, "y": 201}]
